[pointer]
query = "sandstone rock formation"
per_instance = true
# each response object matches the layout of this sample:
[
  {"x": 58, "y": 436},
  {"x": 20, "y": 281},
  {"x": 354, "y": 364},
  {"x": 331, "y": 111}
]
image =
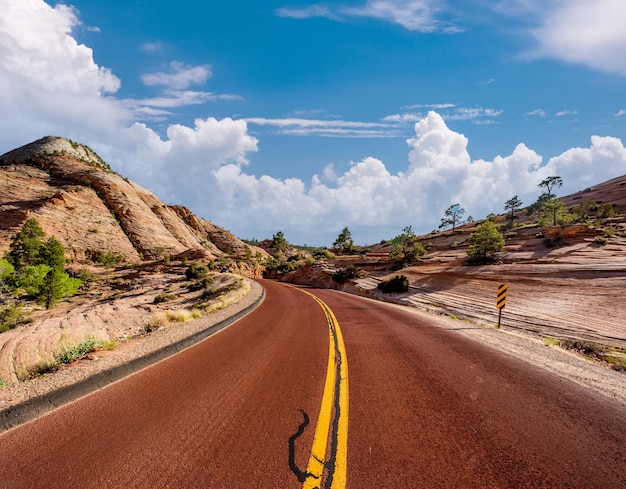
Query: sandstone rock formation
[{"x": 77, "y": 198}]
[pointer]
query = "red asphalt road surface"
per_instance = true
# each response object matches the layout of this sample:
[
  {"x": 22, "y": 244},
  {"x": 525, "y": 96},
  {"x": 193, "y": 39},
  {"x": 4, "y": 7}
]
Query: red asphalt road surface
[{"x": 428, "y": 408}]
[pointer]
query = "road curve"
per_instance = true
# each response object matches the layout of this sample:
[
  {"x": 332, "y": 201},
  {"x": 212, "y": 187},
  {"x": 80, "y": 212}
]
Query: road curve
[
  {"x": 428, "y": 408},
  {"x": 218, "y": 415}
]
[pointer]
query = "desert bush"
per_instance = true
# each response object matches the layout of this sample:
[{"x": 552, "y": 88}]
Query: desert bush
[
  {"x": 203, "y": 283},
  {"x": 157, "y": 321},
  {"x": 196, "y": 270},
  {"x": 85, "y": 275},
  {"x": 71, "y": 353},
  {"x": 164, "y": 298},
  {"x": 11, "y": 316},
  {"x": 601, "y": 240},
  {"x": 605, "y": 210},
  {"x": 398, "y": 283},
  {"x": 350, "y": 273}
]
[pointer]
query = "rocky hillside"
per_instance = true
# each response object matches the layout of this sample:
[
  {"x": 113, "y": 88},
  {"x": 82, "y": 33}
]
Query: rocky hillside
[
  {"x": 565, "y": 282},
  {"x": 91, "y": 209}
]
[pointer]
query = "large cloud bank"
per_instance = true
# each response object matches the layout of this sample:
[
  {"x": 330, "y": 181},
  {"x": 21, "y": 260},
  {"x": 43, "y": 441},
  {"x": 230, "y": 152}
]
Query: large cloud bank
[
  {"x": 205, "y": 167},
  {"x": 50, "y": 84}
]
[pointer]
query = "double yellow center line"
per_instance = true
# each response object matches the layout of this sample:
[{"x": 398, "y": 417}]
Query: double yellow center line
[{"x": 328, "y": 462}]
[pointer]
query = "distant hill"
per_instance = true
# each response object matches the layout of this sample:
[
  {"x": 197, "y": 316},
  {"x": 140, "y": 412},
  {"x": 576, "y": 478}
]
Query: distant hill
[{"x": 77, "y": 198}]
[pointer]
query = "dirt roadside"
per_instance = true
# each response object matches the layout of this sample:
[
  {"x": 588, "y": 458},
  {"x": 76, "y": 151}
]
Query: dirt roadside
[{"x": 27, "y": 400}]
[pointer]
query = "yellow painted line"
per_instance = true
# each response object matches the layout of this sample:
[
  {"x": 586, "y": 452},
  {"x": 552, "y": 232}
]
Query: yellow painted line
[{"x": 334, "y": 410}]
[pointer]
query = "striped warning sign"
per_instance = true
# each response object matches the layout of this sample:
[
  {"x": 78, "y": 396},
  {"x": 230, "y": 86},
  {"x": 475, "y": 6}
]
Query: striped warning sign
[{"x": 501, "y": 302}]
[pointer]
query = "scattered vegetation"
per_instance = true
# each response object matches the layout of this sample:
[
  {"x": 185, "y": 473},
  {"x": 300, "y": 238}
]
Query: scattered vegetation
[
  {"x": 182, "y": 315},
  {"x": 601, "y": 240},
  {"x": 34, "y": 269},
  {"x": 12, "y": 315},
  {"x": 405, "y": 248},
  {"x": 67, "y": 354},
  {"x": 615, "y": 357},
  {"x": 109, "y": 259},
  {"x": 396, "y": 284},
  {"x": 164, "y": 298},
  {"x": 349, "y": 273},
  {"x": 203, "y": 283}
]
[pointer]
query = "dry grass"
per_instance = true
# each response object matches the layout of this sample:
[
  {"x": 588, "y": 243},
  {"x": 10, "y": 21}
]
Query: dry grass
[{"x": 220, "y": 297}]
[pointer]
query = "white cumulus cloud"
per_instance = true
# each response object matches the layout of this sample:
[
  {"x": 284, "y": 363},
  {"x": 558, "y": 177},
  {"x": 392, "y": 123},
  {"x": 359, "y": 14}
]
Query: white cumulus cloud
[
  {"x": 49, "y": 83},
  {"x": 585, "y": 32},
  {"x": 368, "y": 198}
]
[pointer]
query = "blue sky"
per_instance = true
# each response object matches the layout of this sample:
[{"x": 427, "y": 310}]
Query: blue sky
[{"x": 306, "y": 117}]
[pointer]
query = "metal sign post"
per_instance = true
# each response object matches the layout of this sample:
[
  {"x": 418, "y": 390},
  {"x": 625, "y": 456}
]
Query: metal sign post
[{"x": 501, "y": 301}]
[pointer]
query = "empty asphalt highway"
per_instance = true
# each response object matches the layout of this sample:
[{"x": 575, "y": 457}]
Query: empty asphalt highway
[{"x": 328, "y": 390}]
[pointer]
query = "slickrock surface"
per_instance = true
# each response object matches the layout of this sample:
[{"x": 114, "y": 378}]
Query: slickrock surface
[{"x": 77, "y": 198}]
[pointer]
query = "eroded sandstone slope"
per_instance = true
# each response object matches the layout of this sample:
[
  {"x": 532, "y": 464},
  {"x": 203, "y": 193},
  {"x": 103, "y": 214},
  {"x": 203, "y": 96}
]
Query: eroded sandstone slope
[{"x": 78, "y": 199}]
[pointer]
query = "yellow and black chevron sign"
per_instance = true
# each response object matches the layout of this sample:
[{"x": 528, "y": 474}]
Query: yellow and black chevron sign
[{"x": 501, "y": 302}]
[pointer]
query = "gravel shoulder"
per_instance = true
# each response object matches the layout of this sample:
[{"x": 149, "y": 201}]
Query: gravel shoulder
[
  {"x": 592, "y": 374},
  {"x": 28, "y": 400}
]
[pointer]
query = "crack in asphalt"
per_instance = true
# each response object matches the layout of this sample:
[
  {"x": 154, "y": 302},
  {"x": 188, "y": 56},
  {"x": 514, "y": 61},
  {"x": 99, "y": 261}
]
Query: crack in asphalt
[{"x": 302, "y": 476}]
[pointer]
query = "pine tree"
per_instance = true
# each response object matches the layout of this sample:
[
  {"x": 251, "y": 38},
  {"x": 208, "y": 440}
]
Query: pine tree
[
  {"x": 344, "y": 243},
  {"x": 26, "y": 245},
  {"x": 452, "y": 216},
  {"x": 57, "y": 285},
  {"x": 484, "y": 242},
  {"x": 512, "y": 205}
]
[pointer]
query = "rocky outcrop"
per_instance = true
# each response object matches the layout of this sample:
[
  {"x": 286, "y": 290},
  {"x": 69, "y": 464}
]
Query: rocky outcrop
[{"x": 77, "y": 198}]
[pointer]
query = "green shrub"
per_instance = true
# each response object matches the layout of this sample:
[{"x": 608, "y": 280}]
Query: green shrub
[
  {"x": 350, "y": 273},
  {"x": 324, "y": 253},
  {"x": 196, "y": 270},
  {"x": 182, "y": 315},
  {"x": 11, "y": 316},
  {"x": 203, "y": 283},
  {"x": 110, "y": 259},
  {"x": 398, "y": 283},
  {"x": 601, "y": 240},
  {"x": 605, "y": 210},
  {"x": 69, "y": 354},
  {"x": 163, "y": 298}
]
